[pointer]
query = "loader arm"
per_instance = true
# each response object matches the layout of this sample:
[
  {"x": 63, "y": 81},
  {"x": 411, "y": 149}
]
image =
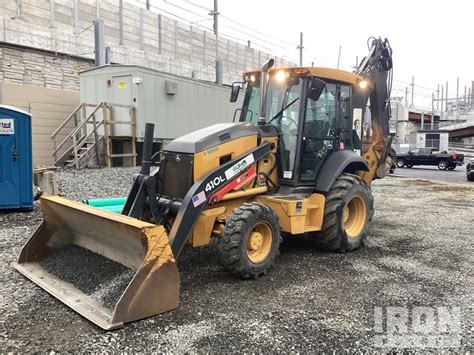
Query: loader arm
[
  {"x": 199, "y": 195},
  {"x": 376, "y": 68}
]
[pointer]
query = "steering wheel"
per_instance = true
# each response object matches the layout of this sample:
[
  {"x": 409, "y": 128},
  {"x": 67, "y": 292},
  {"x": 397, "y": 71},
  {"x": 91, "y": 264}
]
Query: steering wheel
[{"x": 291, "y": 121}]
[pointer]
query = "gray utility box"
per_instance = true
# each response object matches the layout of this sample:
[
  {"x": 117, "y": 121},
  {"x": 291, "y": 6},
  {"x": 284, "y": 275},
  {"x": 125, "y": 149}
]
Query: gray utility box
[{"x": 176, "y": 105}]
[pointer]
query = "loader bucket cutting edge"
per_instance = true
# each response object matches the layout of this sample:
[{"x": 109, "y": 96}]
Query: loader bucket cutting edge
[{"x": 140, "y": 248}]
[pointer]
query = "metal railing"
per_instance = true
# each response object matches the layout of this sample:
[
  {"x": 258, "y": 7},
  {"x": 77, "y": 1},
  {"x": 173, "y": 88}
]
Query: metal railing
[
  {"x": 78, "y": 141},
  {"x": 78, "y": 135}
]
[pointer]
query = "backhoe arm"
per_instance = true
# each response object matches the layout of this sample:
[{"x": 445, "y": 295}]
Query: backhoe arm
[{"x": 376, "y": 68}]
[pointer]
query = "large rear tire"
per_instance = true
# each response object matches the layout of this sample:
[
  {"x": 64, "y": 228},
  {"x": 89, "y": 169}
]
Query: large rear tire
[
  {"x": 250, "y": 240},
  {"x": 347, "y": 215}
]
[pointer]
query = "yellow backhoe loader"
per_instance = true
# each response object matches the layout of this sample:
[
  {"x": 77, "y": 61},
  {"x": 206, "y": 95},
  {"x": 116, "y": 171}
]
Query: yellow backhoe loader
[{"x": 298, "y": 161}]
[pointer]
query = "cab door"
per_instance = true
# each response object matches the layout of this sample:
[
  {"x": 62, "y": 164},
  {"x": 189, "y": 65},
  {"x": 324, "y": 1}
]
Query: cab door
[{"x": 319, "y": 132}]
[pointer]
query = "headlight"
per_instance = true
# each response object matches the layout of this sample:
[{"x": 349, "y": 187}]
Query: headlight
[
  {"x": 281, "y": 75},
  {"x": 363, "y": 84}
]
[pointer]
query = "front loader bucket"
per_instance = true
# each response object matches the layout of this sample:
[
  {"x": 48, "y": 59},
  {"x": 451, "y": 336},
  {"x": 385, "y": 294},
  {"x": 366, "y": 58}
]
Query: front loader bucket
[{"x": 109, "y": 268}]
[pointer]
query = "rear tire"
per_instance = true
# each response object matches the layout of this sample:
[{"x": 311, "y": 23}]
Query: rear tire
[
  {"x": 250, "y": 240},
  {"x": 451, "y": 167},
  {"x": 442, "y": 165},
  {"x": 347, "y": 215},
  {"x": 409, "y": 166},
  {"x": 401, "y": 162}
]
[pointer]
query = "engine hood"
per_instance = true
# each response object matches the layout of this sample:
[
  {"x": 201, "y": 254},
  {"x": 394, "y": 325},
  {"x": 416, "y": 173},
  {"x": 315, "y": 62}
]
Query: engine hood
[{"x": 209, "y": 137}]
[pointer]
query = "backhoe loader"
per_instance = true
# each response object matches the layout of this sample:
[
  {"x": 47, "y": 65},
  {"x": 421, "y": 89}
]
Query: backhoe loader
[{"x": 298, "y": 162}]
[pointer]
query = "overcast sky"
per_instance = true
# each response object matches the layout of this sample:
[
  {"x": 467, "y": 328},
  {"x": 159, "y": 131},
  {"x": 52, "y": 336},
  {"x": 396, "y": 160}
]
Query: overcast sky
[{"x": 432, "y": 40}]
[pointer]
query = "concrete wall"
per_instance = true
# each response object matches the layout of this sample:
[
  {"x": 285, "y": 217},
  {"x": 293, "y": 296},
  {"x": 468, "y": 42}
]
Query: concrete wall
[
  {"x": 40, "y": 68},
  {"x": 135, "y": 35},
  {"x": 48, "y": 108}
]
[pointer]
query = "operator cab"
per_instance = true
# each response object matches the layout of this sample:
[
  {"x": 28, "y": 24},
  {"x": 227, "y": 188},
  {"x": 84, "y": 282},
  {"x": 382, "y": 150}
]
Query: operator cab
[{"x": 311, "y": 109}]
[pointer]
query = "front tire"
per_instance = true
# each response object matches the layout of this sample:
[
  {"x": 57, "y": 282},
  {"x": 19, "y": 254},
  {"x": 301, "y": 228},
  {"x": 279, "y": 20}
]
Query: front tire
[
  {"x": 400, "y": 162},
  {"x": 250, "y": 240},
  {"x": 442, "y": 165},
  {"x": 347, "y": 215}
]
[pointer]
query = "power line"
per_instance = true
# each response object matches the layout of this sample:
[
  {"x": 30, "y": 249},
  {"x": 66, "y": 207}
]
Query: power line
[
  {"x": 242, "y": 25},
  {"x": 257, "y": 40}
]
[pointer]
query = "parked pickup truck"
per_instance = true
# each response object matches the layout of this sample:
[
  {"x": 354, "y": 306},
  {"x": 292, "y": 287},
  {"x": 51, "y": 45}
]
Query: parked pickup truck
[
  {"x": 429, "y": 156},
  {"x": 470, "y": 170}
]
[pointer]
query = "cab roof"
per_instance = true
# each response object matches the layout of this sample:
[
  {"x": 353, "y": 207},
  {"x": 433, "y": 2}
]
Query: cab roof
[{"x": 323, "y": 73}]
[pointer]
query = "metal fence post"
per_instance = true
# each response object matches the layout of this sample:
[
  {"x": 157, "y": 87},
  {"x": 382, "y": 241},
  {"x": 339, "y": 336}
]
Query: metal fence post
[
  {"x": 121, "y": 22},
  {"x": 19, "y": 8},
  {"x": 76, "y": 16},
  {"x": 51, "y": 13}
]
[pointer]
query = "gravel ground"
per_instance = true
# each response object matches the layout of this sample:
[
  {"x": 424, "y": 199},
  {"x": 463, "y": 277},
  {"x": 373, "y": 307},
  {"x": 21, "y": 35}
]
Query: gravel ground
[
  {"x": 91, "y": 273},
  {"x": 419, "y": 254}
]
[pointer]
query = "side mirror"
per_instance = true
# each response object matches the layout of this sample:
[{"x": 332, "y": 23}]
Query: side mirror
[
  {"x": 234, "y": 94},
  {"x": 315, "y": 89}
]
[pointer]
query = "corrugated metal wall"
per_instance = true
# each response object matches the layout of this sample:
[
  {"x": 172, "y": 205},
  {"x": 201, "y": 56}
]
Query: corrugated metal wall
[{"x": 48, "y": 108}]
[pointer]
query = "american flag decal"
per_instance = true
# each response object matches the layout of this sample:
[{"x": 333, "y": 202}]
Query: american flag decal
[{"x": 199, "y": 199}]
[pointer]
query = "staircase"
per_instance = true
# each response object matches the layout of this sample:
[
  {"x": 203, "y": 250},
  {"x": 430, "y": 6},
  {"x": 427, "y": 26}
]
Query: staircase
[{"x": 87, "y": 140}]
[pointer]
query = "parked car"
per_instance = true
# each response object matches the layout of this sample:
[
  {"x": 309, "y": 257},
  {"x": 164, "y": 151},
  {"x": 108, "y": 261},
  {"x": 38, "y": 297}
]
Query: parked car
[
  {"x": 429, "y": 156},
  {"x": 470, "y": 170}
]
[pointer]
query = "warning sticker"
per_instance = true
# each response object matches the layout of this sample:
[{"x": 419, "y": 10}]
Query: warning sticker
[
  {"x": 7, "y": 126},
  {"x": 122, "y": 85}
]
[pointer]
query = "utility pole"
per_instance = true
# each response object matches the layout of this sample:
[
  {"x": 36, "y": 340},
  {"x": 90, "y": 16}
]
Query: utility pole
[
  {"x": 147, "y": 4},
  {"x": 338, "y": 57},
  {"x": 215, "y": 14},
  {"x": 465, "y": 99},
  {"x": 412, "y": 89},
  {"x": 300, "y": 47},
  {"x": 457, "y": 97},
  {"x": 432, "y": 110},
  {"x": 446, "y": 98},
  {"x": 472, "y": 94},
  {"x": 442, "y": 101},
  {"x": 437, "y": 99},
  {"x": 470, "y": 104}
]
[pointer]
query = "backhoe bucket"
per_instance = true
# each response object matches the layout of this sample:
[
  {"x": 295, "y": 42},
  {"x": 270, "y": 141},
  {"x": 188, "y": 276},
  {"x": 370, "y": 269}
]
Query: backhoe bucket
[{"x": 109, "y": 268}]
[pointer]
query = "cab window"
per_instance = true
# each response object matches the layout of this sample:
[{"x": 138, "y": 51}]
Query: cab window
[
  {"x": 346, "y": 119},
  {"x": 318, "y": 131}
]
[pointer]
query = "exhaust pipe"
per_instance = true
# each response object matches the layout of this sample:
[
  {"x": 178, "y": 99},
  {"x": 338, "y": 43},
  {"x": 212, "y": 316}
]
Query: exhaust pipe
[{"x": 263, "y": 91}]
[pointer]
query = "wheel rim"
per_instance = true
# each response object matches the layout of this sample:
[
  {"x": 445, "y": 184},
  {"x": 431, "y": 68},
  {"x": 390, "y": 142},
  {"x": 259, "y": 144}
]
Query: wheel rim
[
  {"x": 442, "y": 165},
  {"x": 259, "y": 242},
  {"x": 400, "y": 163},
  {"x": 354, "y": 215}
]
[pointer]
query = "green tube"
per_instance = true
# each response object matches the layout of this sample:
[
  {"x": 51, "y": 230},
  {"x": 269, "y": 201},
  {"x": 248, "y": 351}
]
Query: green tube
[
  {"x": 115, "y": 209},
  {"x": 101, "y": 202}
]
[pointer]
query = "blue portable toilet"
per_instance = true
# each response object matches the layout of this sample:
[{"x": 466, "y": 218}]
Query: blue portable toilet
[{"x": 16, "y": 162}]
